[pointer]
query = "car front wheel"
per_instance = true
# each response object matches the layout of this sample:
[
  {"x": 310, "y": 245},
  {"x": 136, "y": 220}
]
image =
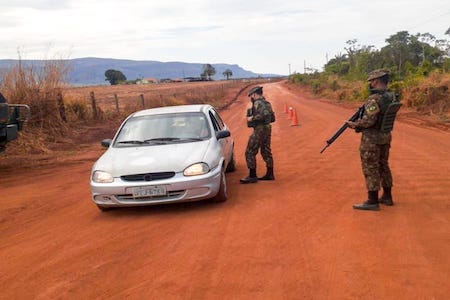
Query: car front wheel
[
  {"x": 231, "y": 167},
  {"x": 104, "y": 208},
  {"x": 222, "y": 194}
]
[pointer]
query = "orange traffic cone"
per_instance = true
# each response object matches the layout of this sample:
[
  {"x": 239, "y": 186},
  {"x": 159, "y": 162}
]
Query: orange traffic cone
[
  {"x": 294, "y": 121},
  {"x": 291, "y": 110},
  {"x": 285, "y": 108}
]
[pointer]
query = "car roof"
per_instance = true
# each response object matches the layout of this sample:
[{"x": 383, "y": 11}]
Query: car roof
[{"x": 173, "y": 109}]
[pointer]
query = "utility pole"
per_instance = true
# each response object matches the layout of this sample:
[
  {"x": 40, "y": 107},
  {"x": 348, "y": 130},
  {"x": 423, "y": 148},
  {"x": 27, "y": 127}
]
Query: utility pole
[{"x": 289, "y": 69}]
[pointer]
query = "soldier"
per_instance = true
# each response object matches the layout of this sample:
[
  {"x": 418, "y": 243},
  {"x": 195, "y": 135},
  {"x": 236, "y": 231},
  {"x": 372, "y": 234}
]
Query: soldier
[
  {"x": 376, "y": 125},
  {"x": 259, "y": 118}
]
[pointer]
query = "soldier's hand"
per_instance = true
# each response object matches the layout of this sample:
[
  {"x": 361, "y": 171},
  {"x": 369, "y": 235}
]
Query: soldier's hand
[{"x": 351, "y": 124}]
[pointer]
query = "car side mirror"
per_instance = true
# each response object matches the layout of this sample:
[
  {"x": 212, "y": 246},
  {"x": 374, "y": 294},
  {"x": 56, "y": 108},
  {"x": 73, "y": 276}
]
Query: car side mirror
[
  {"x": 106, "y": 143},
  {"x": 222, "y": 134}
]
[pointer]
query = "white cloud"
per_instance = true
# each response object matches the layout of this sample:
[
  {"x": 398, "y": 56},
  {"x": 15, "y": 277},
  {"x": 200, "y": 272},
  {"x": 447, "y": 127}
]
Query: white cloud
[{"x": 262, "y": 36}]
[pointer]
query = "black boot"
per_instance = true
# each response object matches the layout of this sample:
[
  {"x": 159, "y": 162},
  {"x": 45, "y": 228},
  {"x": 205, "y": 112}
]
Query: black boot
[
  {"x": 268, "y": 176},
  {"x": 369, "y": 204},
  {"x": 386, "y": 198},
  {"x": 251, "y": 178}
]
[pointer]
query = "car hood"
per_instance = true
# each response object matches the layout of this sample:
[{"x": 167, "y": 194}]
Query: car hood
[{"x": 151, "y": 159}]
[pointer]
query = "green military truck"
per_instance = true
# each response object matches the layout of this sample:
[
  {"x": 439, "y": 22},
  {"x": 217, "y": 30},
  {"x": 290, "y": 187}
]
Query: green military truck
[{"x": 12, "y": 118}]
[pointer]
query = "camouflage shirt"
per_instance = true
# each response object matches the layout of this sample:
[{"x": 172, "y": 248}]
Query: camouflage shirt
[
  {"x": 262, "y": 112},
  {"x": 368, "y": 123}
]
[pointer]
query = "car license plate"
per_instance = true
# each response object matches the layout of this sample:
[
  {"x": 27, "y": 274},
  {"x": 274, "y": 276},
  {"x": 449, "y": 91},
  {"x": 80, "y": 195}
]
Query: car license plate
[{"x": 149, "y": 191}]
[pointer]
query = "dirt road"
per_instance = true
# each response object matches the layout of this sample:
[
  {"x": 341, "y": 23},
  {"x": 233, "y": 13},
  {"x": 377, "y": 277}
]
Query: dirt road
[{"x": 295, "y": 238}]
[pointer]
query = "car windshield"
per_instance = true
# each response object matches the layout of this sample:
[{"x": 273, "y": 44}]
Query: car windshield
[{"x": 163, "y": 129}]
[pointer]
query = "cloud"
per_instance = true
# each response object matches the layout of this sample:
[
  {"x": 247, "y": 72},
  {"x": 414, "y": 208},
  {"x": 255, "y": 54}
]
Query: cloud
[
  {"x": 260, "y": 35},
  {"x": 35, "y": 4}
]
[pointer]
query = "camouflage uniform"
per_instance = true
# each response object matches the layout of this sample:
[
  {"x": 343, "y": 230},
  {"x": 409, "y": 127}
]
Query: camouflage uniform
[
  {"x": 260, "y": 138},
  {"x": 375, "y": 145}
]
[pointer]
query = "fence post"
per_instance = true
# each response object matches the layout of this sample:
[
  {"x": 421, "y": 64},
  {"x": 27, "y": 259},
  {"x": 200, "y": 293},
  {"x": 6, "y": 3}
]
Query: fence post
[
  {"x": 142, "y": 100},
  {"x": 94, "y": 105},
  {"x": 62, "y": 109},
  {"x": 116, "y": 99}
]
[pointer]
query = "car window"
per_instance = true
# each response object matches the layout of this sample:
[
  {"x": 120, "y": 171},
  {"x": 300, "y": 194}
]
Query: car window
[
  {"x": 216, "y": 124},
  {"x": 218, "y": 118},
  {"x": 163, "y": 129}
]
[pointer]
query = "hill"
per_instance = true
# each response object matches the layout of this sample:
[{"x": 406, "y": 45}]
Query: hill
[{"x": 91, "y": 70}]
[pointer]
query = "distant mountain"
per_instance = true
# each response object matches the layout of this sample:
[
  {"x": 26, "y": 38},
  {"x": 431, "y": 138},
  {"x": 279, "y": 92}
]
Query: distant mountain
[{"x": 91, "y": 70}]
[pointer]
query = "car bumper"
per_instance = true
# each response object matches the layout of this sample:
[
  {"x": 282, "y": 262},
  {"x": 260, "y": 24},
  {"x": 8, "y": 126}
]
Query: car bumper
[{"x": 179, "y": 189}]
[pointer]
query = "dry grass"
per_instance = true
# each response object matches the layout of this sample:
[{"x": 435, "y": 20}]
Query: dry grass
[
  {"x": 155, "y": 95},
  {"x": 430, "y": 96},
  {"x": 43, "y": 136}
]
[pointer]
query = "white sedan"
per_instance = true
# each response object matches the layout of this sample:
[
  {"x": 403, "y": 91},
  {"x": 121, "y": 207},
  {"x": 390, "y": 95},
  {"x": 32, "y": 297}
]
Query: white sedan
[{"x": 165, "y": 155}]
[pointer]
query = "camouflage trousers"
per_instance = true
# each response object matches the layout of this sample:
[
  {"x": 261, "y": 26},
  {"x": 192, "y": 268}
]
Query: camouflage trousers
[
  {"x": 259, "y": 139},
  {"x": 375, "y": 165}
]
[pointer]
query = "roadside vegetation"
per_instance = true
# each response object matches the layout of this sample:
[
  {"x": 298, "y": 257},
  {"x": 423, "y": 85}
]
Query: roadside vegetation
[
  {"x": 64, "y": 117},
  {"x": 419, "y": 66}
]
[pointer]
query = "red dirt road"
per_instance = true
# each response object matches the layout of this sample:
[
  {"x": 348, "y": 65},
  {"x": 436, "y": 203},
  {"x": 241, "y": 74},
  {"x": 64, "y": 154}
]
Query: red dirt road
[{"x": 295, "y": 238}]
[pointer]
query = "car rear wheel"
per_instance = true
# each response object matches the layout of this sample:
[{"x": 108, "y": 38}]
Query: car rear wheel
[{"x": 222, "y": 194}]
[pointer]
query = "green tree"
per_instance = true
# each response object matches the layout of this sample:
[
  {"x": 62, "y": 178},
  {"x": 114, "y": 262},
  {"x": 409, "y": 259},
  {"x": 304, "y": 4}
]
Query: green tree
[
  {"x": 425, "y": 40},
  {"x": 114, "y": 76},
  {"x": 227, "y": 73},
  {"x": 338, "y": 65},
  {"x": 397, "y": 52},
  {"x": 208, "y": 71},
  {"x": 361, "y": 59},
  {"x": 352, "y": 51}
]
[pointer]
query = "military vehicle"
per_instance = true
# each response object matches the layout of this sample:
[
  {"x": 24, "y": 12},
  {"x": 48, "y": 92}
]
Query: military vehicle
[{"x": 12, "y": 118}]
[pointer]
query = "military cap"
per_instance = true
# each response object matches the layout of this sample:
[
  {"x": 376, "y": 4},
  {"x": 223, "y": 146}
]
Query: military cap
[
  {"x": 256, "y": 89},
  {"x": 377, "y": 74}
]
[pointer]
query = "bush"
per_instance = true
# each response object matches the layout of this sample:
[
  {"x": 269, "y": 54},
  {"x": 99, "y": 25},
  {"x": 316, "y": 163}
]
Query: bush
[
  {"x": 39, "y": 86},
  {"x": 77, "y": 109}
]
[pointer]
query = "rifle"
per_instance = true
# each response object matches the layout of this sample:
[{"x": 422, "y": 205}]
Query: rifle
[{"x": 357, "y": 115}]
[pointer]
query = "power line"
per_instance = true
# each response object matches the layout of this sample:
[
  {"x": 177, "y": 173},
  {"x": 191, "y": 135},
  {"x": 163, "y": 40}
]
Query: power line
[{"x": 429, "y": 20}]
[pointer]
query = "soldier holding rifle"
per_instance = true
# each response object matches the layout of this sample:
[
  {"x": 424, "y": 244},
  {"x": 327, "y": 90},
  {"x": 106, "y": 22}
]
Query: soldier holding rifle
[{"x": 375, "y": 126}]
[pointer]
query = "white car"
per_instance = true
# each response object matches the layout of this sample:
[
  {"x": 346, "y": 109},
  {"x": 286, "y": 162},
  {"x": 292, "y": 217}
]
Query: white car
[{"x": 165, "y": 155}]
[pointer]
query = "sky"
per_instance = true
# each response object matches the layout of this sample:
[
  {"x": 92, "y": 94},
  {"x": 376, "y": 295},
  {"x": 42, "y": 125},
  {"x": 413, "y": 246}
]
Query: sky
[{"x": 259, "y": 35}]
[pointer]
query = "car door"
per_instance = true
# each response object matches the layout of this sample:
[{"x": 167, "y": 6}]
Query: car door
[{"x": 225, "y": 143}]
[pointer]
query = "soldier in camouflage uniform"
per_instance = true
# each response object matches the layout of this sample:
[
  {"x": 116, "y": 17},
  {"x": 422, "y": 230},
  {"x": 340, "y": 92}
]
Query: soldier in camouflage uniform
[
  {"x": 259, "y": 118},
  {"x": 375, "y": 144}
]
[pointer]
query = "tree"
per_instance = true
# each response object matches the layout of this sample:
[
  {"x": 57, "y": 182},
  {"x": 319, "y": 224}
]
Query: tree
[
  {"x": 360, "y": 59},
  {"x": 227, "y": 73},
  {"x": 425, "y": 40},
  {"x": 352, "y": 51},
  {"x": 397, "y": 50},
  {"x": 338, "y": 65},
  {"x": 208, "y": 71},
  {"x": 114, "y": 76}
]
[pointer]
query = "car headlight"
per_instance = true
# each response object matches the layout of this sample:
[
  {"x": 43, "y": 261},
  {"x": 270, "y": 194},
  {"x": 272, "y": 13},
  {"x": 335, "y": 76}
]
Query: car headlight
[
  {"x": 196, "y": 169},
  {"x": 102, "y": 177}
]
